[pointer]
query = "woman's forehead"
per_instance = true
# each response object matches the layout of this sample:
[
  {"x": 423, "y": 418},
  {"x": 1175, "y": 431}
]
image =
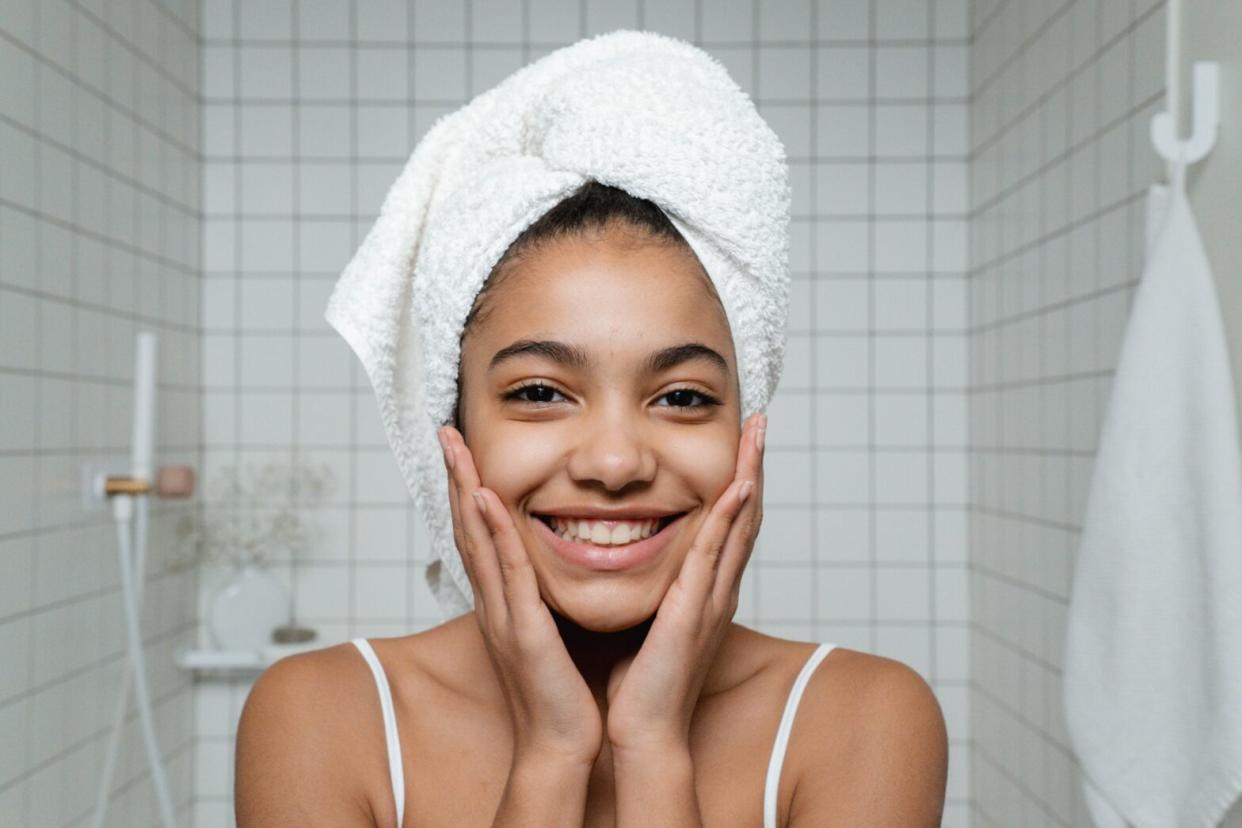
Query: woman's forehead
[{"x": 600, "y": 290}]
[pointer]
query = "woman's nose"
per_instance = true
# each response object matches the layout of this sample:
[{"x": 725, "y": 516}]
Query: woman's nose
[{"x": 613, "y": 452}]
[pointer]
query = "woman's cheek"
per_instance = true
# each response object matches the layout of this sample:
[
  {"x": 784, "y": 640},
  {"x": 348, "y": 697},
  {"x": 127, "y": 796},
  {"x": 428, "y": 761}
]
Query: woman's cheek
[
  {"x": 707, "y": 457},
  {"x": 513, "y": 464}
]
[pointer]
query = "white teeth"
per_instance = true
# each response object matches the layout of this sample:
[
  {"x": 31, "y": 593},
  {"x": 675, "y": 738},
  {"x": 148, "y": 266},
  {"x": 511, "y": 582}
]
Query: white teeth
[{"x": 604, "y": 534}]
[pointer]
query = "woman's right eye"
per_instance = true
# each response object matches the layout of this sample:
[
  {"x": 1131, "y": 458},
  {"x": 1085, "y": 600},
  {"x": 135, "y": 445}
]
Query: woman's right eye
[{"x": 536, "y": 393}]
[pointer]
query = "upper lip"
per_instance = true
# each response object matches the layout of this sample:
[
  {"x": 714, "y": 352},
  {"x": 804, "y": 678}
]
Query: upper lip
[{"x": 608, "y": 513}]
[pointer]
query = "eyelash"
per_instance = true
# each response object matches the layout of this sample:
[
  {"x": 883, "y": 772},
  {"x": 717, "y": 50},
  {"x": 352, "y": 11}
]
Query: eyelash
[{"x": 709, "y": 400}]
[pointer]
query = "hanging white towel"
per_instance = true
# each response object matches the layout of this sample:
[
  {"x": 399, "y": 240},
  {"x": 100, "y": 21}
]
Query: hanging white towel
[{"x": 1153, "y": 656}]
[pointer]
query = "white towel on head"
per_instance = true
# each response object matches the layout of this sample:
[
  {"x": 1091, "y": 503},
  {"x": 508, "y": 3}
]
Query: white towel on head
[{"x": 650, "y": 114}]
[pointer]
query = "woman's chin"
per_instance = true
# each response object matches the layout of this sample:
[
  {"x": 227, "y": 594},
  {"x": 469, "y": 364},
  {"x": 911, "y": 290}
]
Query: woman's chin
[{"x": 609, "y": 611}]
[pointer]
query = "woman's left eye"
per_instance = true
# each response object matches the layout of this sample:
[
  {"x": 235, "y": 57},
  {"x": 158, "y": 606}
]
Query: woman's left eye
[
  {"x": 686, "y": 398},
  {"x": 534, "y": 393}
]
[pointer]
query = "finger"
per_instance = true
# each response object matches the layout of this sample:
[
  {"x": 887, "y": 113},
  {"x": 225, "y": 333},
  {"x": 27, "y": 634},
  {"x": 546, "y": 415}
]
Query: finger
[
  {"x": 698, "y": 571},
  {"x": 699, "y": 568},
  {"x": 740, "y": 541},
  {"x": 749, "y": 464},
  {"x": 478, "y": 538},
  {"x": 459, "y": 536},
  {"x": 520, "y": 585},
  {"x": 754, "y": 462},
  {"x": 455, "y": 510}
]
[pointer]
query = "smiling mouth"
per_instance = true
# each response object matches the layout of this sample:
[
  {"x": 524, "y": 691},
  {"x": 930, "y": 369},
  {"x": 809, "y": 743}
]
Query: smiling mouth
[{"x": 606, "y": 532}]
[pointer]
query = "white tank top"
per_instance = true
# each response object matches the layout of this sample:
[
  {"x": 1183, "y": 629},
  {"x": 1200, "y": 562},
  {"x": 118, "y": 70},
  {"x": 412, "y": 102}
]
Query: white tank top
[{"x": 397, "y": 774}]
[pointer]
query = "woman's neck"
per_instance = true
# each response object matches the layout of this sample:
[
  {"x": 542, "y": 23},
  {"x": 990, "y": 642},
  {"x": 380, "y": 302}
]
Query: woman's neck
[{"x": 597, "y": 653}]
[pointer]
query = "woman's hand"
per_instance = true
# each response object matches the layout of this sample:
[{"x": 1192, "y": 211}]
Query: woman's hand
[
  {"x": 554, "y": 714},
  {"x": 652, "y": 696}
]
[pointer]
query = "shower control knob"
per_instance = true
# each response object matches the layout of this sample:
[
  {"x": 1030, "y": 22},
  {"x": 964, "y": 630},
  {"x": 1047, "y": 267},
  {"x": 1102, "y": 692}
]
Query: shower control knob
[
  {"x": 170, "y": 481},
  {"x": 174, "y": 481}
]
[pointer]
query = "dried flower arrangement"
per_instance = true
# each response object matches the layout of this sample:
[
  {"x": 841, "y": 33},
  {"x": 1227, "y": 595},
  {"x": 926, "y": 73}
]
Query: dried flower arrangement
[{"x": 253, "y": 511}]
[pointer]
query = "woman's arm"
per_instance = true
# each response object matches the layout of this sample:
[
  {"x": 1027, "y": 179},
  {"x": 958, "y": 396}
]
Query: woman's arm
[
  {"x": 294, "y": 755},
  {"x": 656, "y": 782},
  {"x": 886, "y": 763},
  {"x": 544, "y": 793}
]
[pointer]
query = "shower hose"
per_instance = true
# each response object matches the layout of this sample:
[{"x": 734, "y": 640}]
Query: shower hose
[{"x": 123, "y": 512}]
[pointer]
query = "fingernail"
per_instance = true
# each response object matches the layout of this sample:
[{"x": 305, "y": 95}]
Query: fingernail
[
  {"x": 448, "y": 453},
  {"x": 763, "y": 427},
  {"x": 478, "y": 498},
  {"x": 745, "y": 491}
]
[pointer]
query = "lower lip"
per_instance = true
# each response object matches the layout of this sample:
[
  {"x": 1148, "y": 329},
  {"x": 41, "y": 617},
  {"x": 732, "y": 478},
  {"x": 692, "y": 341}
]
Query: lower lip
[{"x": 612, "y": 558}]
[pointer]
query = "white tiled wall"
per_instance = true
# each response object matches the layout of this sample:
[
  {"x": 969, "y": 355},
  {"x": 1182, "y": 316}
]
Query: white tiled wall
[
  {"x": 968, "y": 182},
  {"x": 1062, "y": 94},
  {"x": 311, "y": 108},
  {"x": 99, "y": 220}
]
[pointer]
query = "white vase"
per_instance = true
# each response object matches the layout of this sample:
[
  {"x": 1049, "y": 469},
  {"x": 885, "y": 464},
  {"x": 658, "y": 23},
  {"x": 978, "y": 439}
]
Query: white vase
[{"x": 247, "y": 608}]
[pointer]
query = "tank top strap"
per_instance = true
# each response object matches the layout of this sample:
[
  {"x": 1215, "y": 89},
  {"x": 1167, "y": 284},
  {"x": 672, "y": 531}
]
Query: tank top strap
[
  {"x": 772, "y": 784},
  {"x": 395, "y": 771}
]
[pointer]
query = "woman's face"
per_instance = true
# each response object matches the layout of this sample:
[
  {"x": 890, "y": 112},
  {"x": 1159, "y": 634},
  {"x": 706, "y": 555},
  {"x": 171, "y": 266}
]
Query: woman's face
[{"x": 580, "y": 400}]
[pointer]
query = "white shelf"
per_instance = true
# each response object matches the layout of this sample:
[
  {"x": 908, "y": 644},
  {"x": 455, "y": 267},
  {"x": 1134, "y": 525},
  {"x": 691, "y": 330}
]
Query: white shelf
[{"x": 188, "y": 658}]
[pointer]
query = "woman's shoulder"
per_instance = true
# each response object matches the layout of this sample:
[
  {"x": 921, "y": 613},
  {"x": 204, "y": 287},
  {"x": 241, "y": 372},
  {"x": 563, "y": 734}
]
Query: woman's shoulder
[
  {"x": 448, "y": 658},
  {"x": 854, "y": 696},
  {"x": 330, "y": 690},
  {"x": 414, "y": 664},
  {"x": 315, "y": 687},
  {"x": 844, "y": 675},
  {"x": 867, "y": 728},
  {"x": 846, "y": 685},
  {"x": 772, "y": 659},
  {"x": 321, "y": 711},
  {"x": 306, "y": 736}
]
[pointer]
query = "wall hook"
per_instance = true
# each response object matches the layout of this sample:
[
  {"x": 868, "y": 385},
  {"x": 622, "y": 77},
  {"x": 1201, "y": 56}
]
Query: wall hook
[{"x": 1205, "y": 115}]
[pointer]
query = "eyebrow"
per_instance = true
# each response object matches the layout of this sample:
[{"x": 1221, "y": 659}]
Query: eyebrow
[{"x": 571, "y": 356}]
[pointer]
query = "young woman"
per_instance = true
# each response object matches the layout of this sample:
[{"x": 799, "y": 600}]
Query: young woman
[{"x": 605, "y": 501}]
